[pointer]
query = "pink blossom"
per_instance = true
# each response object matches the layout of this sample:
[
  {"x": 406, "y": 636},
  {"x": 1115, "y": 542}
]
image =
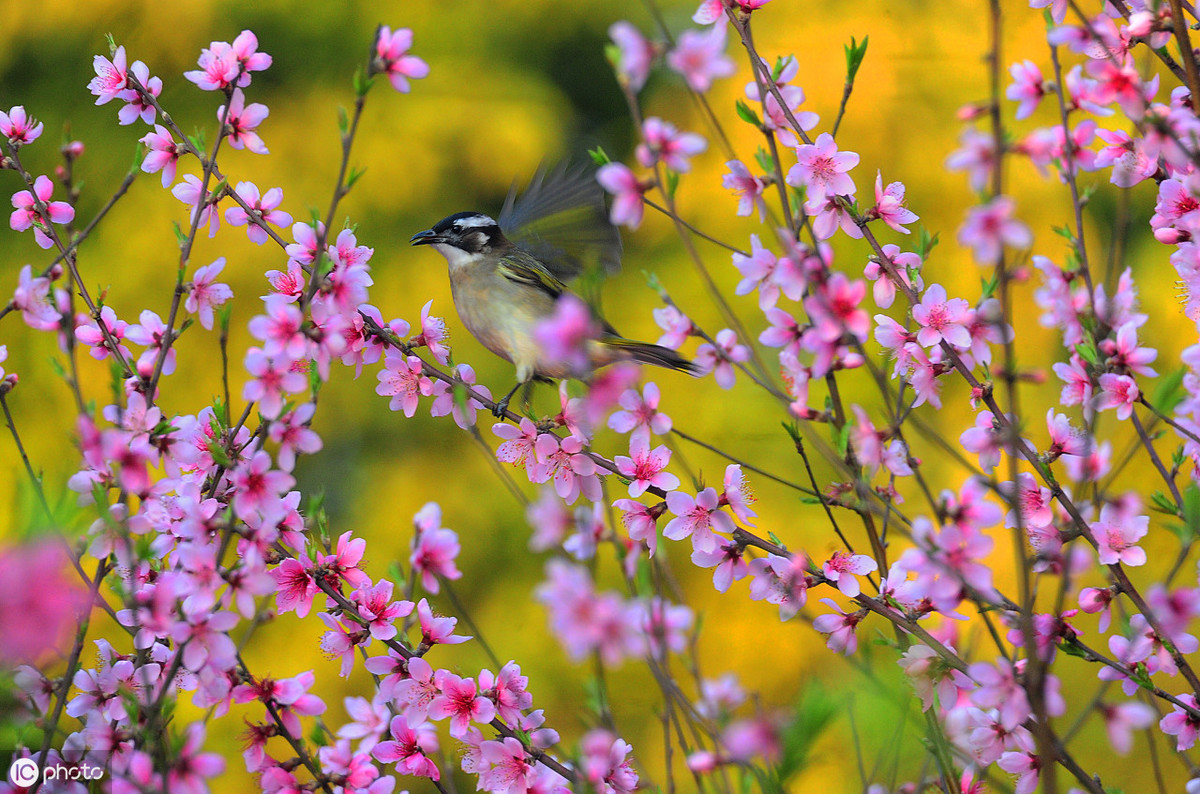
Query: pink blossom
[
  {"x": 1117, "y": 79},
  {"x": 264, "y": 207},
  {"x": 1124, "y": 354},
  {"x": 191, "y": 767},
  {"x": 1025, "y": 765},
  {"x": 942, "y": 319},
  {"x": 151, "y": 332},
  {"x": 1122, "y": 720},
  {"x": 223, "y": 64},
  {"x": 645, "y": 467},
  {"x": 433, "y": 333},
  {"x": 375, "y": 605},
  {"x": 627, "y": 209},
  {"x": 840, "y": 626},
  {"x": 1028, "y": 87},
  {"x": 761, "y": 270},
  {"x": 19, "y": 127},
  {"x": 295, "y": 585},
  {"x": 930, "y": 674},
  {"x": 1127, "y": 156},
  {"x": 999, "y": 688},
  {"x": 640, "y": 522},
  {"x": 565, "y": 461},
  {"x": 518, "y": 446},
  {"x": 206, "y": 293},
  {"x": 32, "y": 298},
  {"x": 37, "y": 210},
  {"x": 640, "y": 412},
  {"x": 1117, "y": 391},
  {"x": 255, "y": 484},
  {"x": 821, "y": 170},
  {"x": 437, "y": 630},
  {"x": 990, "y": 227},
  {"x": 780, "y": 580},
  {"x": 110, "y": 79},
  {"x": 728, "y": 562},
  {"x": 747, "y": 187},
  {"x": 39, "y": 601},
  {"x": 137, "y": 105},
  {"x": 606, "y": 763},
  {"x": 842, "y": 568},
  {"x": 700, "y": 57},
  {"x": 721, "y": 358},
  {"x": 460, "y": 701},
  {"x": 1181, "y": 724},
  {"x": 402, "y": 378},
  {"x": 203, "y": 205},
  {"x": 410, "y": 749},
  {"x": 293, "y": 435},
  {"x": 662, "y": 142},
  {"x": 697, "y": 517},
  {"x": 91, "y": 334},
  {"x": 241, "y": 123},
  {"x": 392, "y": 58},
  {"x": 636, "y": 54},
  {"x": 280, "y": 329},
  {"x": 985, "y": 439},
  {"x": 737, "y": 494},
  {"x": 272, "y": 377},
  {"x": 565, "y": 337},
  {"x": 1116, "y": 537},
  {"x": 448, "y": 400},
  {"x": 676, "y": 325},
  {"x": 434, "y": 549},
  {"x": 163, "y": 153},
  {"x": 890, "y": 206},
  {"x": 977, "y": 157},
  {"x": 1032, "y": 500}
]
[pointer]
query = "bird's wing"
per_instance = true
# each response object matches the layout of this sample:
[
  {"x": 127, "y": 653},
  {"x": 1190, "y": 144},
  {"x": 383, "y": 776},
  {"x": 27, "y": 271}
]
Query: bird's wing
[
  {"x": 561, "y": 220},
  {"x": 524, "y": 268}
]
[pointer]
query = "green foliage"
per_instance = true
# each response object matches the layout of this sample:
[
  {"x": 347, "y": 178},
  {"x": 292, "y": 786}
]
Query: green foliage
[{"x": 855, "y": 53}]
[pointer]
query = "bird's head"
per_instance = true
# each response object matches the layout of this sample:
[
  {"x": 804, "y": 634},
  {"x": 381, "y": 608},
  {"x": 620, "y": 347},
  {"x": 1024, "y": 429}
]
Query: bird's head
[{"x": 462, "y": 237}]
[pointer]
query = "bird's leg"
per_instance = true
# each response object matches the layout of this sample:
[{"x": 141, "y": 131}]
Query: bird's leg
[
  {"x": 527, "y": 397},
  {"x": 501, "y": 407}
]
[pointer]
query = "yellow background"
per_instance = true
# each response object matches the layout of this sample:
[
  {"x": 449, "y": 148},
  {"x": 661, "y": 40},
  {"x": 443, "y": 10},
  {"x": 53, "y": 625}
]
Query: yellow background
[{"x": 513, "y": 84}]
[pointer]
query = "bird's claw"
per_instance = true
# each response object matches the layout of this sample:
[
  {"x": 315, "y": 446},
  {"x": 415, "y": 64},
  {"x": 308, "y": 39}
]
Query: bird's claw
[{"x": 501, "y": 408}]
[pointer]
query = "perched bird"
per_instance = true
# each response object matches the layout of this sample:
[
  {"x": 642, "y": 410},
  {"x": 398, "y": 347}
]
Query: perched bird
[{"x": 507, "y": 276}]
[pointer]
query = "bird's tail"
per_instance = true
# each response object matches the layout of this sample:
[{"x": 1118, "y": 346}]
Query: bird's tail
[{"x": 646, "y": 353}]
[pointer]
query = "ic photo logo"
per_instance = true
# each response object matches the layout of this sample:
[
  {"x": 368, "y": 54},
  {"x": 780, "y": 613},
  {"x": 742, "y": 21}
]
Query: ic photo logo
[{"x": 24, "y": 772}]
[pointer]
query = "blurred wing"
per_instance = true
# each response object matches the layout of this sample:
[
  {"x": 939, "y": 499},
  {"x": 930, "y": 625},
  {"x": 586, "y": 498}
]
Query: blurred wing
[{"x": 561, "y": 219}]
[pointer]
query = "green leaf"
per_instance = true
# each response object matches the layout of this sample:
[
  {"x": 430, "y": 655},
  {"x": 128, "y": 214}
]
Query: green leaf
[
  {"x": 815, "y": 710},
  {"x": 781, "y": 63},
  {"x": 343, "y": 121},
  {"x": 1169, "y": 392},
  {"x": 793, "y": 432},
  {"x": 672, "y": 183},
  {"x": 764, "y": 160},
  {"x": 855, "y": 53},
  {"x": 355, "y": 174},
  {"x": 1071, "y": 649},
  {"x": 362, "y": 83},
  {"x": 925, "y": 242},
  {"x": 746, "y": 114},
  {"x": 599, "y": 156},
  {"x": 1163, "y": 504}
]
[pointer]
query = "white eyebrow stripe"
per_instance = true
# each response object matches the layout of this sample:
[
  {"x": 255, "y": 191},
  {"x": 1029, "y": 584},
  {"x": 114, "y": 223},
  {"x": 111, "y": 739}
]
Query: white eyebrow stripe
[{"x": 474, "y": 222}]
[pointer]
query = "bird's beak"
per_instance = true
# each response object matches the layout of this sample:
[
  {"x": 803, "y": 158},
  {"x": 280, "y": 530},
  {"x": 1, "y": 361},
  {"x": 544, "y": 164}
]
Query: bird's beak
[{"x": 427, "y": 237}]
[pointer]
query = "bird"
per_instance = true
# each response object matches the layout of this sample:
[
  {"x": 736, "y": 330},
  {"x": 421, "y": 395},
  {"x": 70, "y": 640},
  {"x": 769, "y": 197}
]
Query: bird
[{"x": 507, "y": 275}]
